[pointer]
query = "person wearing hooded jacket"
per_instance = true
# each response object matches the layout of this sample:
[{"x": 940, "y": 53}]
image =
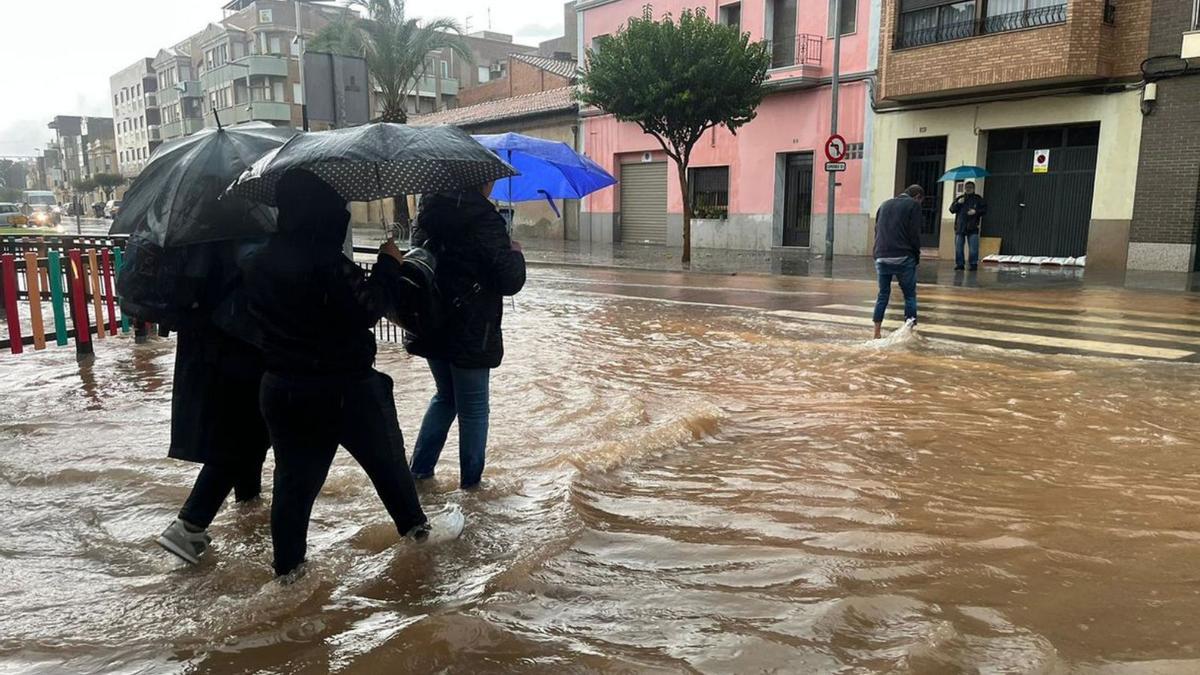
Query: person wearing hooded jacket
[
  {"x": 478, "y": 265},
  {"x": 315, "y": 308}
]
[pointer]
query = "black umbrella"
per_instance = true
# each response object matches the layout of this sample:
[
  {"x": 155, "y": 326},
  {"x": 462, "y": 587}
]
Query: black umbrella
[
  {"x": 376, "y": 161},
  {"x": 176, "y": 199}
]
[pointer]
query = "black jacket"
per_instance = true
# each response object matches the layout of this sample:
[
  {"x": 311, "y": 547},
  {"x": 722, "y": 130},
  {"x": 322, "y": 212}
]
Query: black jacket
[
  {"x": 214, "y": 397},
  {"x": 313, "y": 308},
  {"x": 965, "y": 223},
  {"x": 476, "y": 268},
  {"x": 898, "y": 228}
]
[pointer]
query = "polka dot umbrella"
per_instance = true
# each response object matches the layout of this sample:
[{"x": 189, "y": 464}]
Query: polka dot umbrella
[{"x": 376, "y": 161}]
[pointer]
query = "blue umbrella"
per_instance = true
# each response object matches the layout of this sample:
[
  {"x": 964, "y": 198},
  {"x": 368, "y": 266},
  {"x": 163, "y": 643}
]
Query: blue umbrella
[
  {"x": 964, "y": 172},
  {"x": 549, "y": 170}
]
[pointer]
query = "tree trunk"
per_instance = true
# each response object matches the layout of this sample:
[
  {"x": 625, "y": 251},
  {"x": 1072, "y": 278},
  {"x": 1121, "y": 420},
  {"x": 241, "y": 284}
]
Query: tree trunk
[{"x": 687, "y": 213}]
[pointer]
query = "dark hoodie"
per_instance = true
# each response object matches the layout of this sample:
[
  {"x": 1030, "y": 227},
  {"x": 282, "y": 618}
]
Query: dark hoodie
[
  {"x": 313, "y": 307},
  {"x": 476, "y": 268}
]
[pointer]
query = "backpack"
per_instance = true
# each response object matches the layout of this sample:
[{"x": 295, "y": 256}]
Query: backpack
[
  {"x": 161, "y": 285},
  {"x": 419, "y": 306}
]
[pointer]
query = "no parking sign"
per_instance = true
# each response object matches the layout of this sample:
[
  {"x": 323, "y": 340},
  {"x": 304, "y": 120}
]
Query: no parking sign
[{"x": 1041, "y": 161}]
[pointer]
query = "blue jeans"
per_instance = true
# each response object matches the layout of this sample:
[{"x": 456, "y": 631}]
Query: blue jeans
[
  {"x": 461, "y": 393},
  {"x": 971, "y": 239},
  {"x": 906, "y": 272}
]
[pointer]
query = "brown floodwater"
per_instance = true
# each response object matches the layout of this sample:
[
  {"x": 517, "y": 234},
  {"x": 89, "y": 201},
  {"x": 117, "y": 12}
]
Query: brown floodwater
[{"x": 671, "y": 488}]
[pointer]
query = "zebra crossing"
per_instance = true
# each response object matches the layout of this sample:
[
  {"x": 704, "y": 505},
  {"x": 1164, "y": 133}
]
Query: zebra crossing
[{"x": 1036, "y": 326}]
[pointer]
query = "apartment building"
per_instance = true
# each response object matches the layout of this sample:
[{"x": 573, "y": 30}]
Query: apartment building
[
  {"x": 1045, "y": 94},
  {"x": 1165, "y": 231},
  {"x": 136, "y": 119},
  {"x": 74, "y": 137},
  {"x": 760, "y": 188}
]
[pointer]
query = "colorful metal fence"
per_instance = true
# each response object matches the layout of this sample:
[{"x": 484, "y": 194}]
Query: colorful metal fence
[{"x": 77, "y": 278}]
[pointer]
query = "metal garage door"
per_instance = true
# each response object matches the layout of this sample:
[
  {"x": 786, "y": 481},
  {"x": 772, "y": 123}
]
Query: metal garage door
[
  {"x": 1041, "y": 214},
  {"x": 644, "y": 203}
]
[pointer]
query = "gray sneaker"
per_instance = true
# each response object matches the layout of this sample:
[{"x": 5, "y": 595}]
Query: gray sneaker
[
  {"x": 446, "y": 525},
  {"x": 183, "y": 542}
]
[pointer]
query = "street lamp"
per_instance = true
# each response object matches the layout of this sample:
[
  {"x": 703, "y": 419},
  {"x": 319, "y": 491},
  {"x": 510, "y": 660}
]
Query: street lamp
[{"x": 298, "y": 42}]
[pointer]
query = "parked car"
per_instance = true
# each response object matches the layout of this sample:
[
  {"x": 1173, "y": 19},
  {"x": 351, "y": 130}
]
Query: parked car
[
  {"x": 11, "y": 216},
  {"x": 112, "y": 208}
]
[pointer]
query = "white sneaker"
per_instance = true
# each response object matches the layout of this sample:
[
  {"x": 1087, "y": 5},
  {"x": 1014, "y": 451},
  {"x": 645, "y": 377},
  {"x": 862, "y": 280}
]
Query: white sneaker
[
  {"x": 446, "y": 525},
  {"x": 186, "y": 543}
]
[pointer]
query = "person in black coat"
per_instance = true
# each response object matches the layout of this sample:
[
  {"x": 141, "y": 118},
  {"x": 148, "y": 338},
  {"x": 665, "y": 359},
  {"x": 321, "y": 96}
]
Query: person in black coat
[
  {"x": 215, "y": 418},
  {"x": 898, "y": 251},
  {"x": 968, "y": 209},
  {"x": 478, "y": 265},
  {"x": 315, "y": 309}
]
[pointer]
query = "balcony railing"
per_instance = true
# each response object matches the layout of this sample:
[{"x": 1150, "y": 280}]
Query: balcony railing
[
  {"x": 799, "y": 50},
  {"x": 1000, "y": 23}
]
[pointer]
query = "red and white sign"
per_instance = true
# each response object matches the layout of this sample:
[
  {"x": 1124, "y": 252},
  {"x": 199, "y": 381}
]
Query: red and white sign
[
  {"x": 835, "y": 148},
  {"x": 1041, "y": 161}
]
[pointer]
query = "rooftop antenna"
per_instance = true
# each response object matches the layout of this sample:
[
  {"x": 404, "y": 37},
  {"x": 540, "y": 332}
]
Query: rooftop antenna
[
  {"x": 489, "y": 18},
  {"x": 467, "y": 24}
]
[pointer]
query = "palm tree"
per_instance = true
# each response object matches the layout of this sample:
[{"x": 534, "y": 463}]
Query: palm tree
[{"x": 395, "y": 46}]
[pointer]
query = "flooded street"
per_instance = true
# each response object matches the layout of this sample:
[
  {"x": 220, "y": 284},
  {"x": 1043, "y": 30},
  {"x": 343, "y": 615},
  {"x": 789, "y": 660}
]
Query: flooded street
[{"x": 672, "y": 487}]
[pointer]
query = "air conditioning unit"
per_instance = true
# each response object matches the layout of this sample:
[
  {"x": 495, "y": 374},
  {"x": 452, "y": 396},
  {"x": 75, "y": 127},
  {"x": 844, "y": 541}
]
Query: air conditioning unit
[{"x": 1191, "y": 45}]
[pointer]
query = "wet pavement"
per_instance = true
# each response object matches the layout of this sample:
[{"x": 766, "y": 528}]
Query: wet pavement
[{"x": 687, "y": 473}]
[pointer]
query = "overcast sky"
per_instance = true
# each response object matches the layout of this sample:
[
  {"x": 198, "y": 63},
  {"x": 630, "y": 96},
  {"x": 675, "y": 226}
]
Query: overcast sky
[{"x": 56, "y": 55}]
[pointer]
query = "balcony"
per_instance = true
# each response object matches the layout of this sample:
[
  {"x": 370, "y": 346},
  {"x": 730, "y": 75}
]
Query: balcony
[
  {"x": 795, "y": 61},
  {"x": 1191, "y": 45},
  {"x": 260, "y": 111},
  {"x": 428, "y": 86},
  {"x": 254, "y": 66},
  {"x": 184, "y": 127},
  {"x": 153, "y": 132},
  {"x": 151, "y": 100},
  {"x": 907, "y": 38}
]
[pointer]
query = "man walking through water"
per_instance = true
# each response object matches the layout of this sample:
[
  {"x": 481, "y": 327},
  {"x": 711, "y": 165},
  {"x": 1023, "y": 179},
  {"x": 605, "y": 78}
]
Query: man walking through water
[
  {"x": 315, "y": 309},
  {"x": 968, "y": 209},
  {"x": 898, "y": 252}
]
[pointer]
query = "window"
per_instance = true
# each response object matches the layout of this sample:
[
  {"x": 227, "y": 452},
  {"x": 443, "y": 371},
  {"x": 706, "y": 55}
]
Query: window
[
  {"x": 781, "y": 17},
  {"x": 854, "y": 151},
  {"x": 731, "y": 15},
  {"x": 445, "y": 69},
  {"x": 276, "y": 45},
  {"x": 849, "y": 16},
  {"x": 485, "y": 74},
  {"x": 924, "y": 22},
  {"x": 599, "y": 41},
  {"x": 298, "y": 92},
  {"x": 265, "y": 16},
  {"x": 277, "y": 91},
  {"x": 709, "y": 189}
]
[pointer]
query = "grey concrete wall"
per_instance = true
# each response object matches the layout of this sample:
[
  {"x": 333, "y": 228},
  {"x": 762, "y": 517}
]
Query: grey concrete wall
[
  {"x": 597, "y": 228},
  {"x": 851, "y": 234}
]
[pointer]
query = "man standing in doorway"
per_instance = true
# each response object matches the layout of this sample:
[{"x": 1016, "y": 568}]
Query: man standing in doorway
[
  {"x": 968, "y": 209},
  {"x": 898, "y": 252}
]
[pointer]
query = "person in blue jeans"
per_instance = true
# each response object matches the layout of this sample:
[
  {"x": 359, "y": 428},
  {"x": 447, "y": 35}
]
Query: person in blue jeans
[
  {"x": 477, "y": 266},
  {"x": 898, "y": 251},
  {"x": 968, "y": 209}
]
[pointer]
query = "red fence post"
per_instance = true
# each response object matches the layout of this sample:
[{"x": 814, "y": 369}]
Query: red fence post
[
  {"x": 9, "y": 269},
  {"x": 79, "y": 305}
]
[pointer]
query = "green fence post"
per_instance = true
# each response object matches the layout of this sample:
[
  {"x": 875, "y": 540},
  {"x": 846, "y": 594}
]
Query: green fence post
[
  {"x": 116, "y": 278},
  {"x": 56, "y": 299}
]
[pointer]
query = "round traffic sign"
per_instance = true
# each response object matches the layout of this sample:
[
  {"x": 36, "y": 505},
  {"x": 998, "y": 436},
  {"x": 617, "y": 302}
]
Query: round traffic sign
[{"x": 835, "y": 148}]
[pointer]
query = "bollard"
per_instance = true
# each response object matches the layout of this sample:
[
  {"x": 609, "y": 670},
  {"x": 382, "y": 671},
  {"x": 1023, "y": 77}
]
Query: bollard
[
  {"x": 8, "y": 267},
  {"x": 120, "y": 257},
  {"x": 56, "y": 298},
  {"x": 141, "y": 332},
  {"x": 106, "y": 264},
  {"x": 79, "y": 308},
  {"x": 94, "y": 285},
  {"x": 32, "y": 277}
]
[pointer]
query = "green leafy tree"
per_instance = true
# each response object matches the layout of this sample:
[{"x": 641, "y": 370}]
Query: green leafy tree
[
  {"x": 108, "y": 182},
  {"x": 84, "y": 185},
  {"x": 395, "y": 46},
  {"x": 676, "y": 80}
]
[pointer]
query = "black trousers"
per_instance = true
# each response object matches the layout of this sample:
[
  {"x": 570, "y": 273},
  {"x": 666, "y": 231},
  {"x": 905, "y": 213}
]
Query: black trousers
[
  {"x": 308, "y": 418},
  {"x": 216, "y": 481}
]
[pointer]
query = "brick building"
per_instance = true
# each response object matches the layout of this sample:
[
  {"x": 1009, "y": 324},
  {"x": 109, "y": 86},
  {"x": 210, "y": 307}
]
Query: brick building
[
  {"x": 1166, "y": 215},
  {"x": 1000, "y": 84},
  {"x": 525, "y": 74}
]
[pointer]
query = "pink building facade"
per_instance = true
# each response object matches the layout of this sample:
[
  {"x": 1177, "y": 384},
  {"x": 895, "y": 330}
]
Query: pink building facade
[{"x": 765, "y": 187}]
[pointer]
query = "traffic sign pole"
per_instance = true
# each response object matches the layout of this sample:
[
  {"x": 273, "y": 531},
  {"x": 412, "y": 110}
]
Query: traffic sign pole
[{"x": 833, "y": 123}]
